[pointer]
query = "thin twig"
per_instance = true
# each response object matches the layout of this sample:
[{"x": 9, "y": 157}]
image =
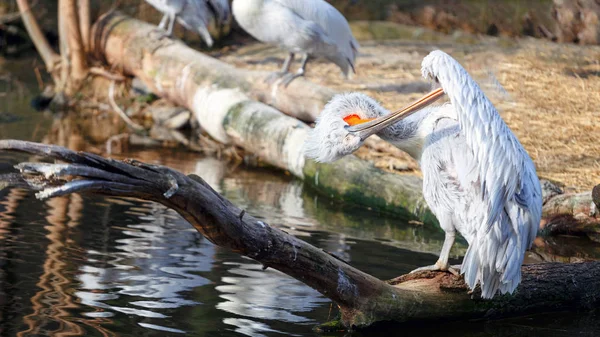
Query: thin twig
[
  {"x": 116, "y": 140},
  {"x": 111, "y": 76},
  {"x": 9, "y": 17},
  {"x": 113, "y": 104},
  {"x": 38, "y": 77}
]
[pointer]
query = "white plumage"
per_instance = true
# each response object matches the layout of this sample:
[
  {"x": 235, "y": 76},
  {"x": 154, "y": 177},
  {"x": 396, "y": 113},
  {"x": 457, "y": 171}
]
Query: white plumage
[
  {"x": 194, "y": 15},
  {"x": 477, "y": 178},
  {"x": 313, "y": 28}
]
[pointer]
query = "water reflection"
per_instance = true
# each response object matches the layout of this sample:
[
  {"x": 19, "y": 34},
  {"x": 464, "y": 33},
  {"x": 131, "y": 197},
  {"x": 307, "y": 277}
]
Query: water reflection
[
  {"x": 153, "y": 263},
  {"x": 112, "y": 266}
]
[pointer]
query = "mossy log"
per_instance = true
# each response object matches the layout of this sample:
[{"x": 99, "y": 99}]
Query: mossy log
[
  {"x": 222, "y": 99},
  {"x": 361, "y": 298}
]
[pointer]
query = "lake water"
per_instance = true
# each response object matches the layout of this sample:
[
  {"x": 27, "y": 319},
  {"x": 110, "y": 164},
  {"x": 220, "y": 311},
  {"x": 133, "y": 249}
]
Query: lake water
[{"x": 94, "y": 266}]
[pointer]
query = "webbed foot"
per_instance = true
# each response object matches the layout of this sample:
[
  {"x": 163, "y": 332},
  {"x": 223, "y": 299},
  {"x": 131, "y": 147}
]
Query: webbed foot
[
  {"x": 439, "y": 266},
  {"x": 287, "y": 79}
]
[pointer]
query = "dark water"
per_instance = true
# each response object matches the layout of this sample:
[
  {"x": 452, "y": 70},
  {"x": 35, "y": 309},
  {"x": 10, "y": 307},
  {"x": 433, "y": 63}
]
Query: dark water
[{"x": 93, "y": 266}]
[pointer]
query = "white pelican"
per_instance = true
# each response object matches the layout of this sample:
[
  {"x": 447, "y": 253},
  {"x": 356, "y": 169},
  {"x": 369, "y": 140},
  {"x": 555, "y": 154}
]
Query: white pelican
[
  {"x": 194, "y": 15},
  {"x": 313, "y": 28},
  {"x": 477, "y": 178}
]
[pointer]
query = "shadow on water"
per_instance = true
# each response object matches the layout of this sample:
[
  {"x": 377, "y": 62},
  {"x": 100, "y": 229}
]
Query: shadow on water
[{"x": 94, "y": 266}]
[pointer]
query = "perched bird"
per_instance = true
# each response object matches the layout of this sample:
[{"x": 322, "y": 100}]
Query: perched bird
[
  {"x": 313, "y": 28},
  {"x": 477, "y": 178},
  {"x": 194, "y": 15}
]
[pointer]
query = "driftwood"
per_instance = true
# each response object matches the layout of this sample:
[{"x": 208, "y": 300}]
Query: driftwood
[{"x": 362, "y": 299}]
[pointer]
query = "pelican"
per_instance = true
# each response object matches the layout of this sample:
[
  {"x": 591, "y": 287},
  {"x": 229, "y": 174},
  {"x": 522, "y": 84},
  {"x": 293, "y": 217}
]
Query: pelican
[
  {"x": 312, "y": 28},
  {"x": 478, "y": 179},
  {"x": 194, "y": 15}
]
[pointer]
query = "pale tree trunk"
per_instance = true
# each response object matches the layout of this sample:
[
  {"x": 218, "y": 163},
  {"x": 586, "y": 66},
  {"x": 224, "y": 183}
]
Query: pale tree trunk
[
  {"x": 73, "y": 54},
  {"x": 50, "y": 57},
  {"x": 63, "y": 44},
  {"x": 361, "y": 298},
  {"x": 83, "y": 7},
  {"x": 118, "y": 37}
]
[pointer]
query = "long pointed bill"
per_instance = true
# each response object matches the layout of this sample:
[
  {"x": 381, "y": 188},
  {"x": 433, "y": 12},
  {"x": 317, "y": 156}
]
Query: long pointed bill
[{"x": 364, "y": 130}]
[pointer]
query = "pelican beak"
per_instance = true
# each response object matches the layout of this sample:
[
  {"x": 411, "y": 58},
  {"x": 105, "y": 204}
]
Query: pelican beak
[{"x": 367, "y": 129}]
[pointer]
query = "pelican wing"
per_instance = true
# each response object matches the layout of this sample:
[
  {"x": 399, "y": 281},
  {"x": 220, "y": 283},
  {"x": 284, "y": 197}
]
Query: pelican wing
[
  {"x": 168, "y": 6},
  {"x": 507, "y": 186},
  {"x": 331, "y": 21}
]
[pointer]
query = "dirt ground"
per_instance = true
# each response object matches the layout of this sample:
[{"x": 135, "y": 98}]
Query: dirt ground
[{"x": 548, "y": 93}]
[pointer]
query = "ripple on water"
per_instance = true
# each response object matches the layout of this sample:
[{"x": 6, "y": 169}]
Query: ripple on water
[
  {"x": 151, "y": 268},
  {"x": 268, "y": 294}
]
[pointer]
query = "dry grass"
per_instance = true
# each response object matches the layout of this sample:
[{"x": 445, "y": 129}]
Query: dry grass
[{"x": 551, "y": 99}]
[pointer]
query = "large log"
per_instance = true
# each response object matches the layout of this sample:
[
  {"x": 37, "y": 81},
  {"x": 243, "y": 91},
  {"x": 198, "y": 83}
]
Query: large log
[
  {"x": 169, "y": 68},
  {"x": 217, "y": 93},
  {"x": 362, "y": 298}
]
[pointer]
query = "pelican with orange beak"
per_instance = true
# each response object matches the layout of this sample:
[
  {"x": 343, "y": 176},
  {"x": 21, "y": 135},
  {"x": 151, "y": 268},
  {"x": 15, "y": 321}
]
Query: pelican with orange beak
[{"x": 478, "y": 179}]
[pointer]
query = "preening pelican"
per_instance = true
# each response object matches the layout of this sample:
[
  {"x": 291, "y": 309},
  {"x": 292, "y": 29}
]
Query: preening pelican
[
  {"x": 313, "y": 28},
  {"x": 194, "y": 15},
  {"x": 477, "y": 178}
]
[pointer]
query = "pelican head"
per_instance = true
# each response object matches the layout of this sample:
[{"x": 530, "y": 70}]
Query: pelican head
[
  {"x": 348, "y": 119},
  {"x": 331, "y": 139}
]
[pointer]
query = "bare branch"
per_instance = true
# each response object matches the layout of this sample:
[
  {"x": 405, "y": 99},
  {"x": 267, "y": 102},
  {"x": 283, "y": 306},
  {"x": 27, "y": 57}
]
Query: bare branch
[
  {"x": 71, "y": 34},
  {"x": 119, "y": 111},
  {"x": 83, "y": 7},
  {"x": 50, "y": 57},
  {"x": 362, "y": 298}
]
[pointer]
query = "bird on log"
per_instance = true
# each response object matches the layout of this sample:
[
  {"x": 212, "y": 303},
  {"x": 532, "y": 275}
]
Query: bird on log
[
  {"x": 313, "y": 28},
  {"x": 478, "y": 179},
  {"x": 194, "y": 15}
]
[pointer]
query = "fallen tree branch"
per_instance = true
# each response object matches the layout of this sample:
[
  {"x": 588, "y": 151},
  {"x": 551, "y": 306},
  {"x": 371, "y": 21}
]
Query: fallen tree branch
[
  {"x": 119, "y": 111},
  {"x": 362, "y": 298},
  {"x": 50, "y": 57},
  {"x": 106, "y": 74}
]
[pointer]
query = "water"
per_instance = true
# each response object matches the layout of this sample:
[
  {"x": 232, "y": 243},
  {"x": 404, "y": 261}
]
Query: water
[{"x": 93, "y": 266}]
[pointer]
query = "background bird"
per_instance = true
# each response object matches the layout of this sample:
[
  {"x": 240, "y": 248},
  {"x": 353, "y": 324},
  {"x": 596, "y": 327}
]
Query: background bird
[
  {"x": 194, "y": 15},
  {"x": 313, "y": 28},
  {"x": 221, "y": 12},
  {"x": 477, "y": 178}
]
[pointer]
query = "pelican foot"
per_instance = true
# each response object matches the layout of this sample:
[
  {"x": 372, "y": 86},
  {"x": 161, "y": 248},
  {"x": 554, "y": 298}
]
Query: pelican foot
[
  {"x": 158, "y": 34},
  {"x": 454, "y": 270},
  {"x": 272, "y": 78},
  {"x": 287, "y": 79}
]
